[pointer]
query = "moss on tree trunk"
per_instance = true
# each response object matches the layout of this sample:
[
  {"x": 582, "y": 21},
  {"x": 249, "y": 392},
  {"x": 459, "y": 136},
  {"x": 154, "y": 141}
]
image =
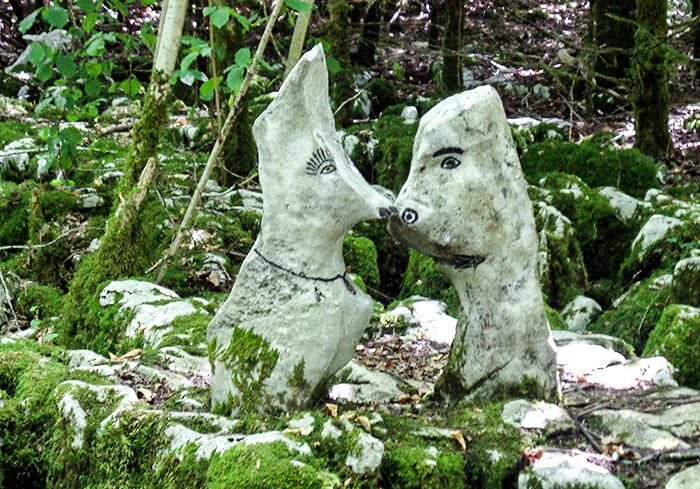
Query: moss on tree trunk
[
  {"x": 452, "y": 46},
  {"x": 612, "y": 41},
  {"x": 651, "y": 98}
]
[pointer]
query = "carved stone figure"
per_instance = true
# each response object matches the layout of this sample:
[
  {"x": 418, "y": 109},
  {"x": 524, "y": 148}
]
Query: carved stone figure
[
  {"x": 465, "y": 204},
  {"x": 294, "y": 315}
]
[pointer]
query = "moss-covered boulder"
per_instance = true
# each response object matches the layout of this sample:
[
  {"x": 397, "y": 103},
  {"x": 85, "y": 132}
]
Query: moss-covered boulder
[
  {"x": 659, "y": 245},
  {"x": 629, "y": 169},
  {"x": 604, "y": 237},
  {"x": 677, "y": 338},
  {"x": 562, "y": 270},
  {"x": 635, "y": 314},
  {"x": 686, "y": 282}
]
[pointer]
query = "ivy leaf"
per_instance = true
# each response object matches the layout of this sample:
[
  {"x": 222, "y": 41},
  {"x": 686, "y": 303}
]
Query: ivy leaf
[
  {"x": 57, "y": 17},
  {"x": 66, "y": 65},
  {"x": 242, "y": 57},
  {"x": 206, "y": 91},
  {"x": 130, "y": 87},
  {"x": 87, "y": 6},
  {"x": 28, "y": 21},
  {"x": 298, "y": 5}
]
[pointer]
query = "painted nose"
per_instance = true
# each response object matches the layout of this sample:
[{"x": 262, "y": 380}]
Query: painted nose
[
  {"x": 385, "y": 212},
  {"x": 409, "y": 216}
]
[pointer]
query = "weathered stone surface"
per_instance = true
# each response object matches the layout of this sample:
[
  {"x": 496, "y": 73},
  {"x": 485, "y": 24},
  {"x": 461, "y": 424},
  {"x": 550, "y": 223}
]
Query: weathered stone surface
[
  {"x": 465, "y": 204},
  {"x": 537, "y": 416},
  {"x": 639, "y": 430},
  {"x": 685, "y": 479},
  {"x": 13, "y": 162},
  {"x": 625, "y": 205},
  {"x": 580, "y": 312},
  {"x": 653, "y": 231},
  {"x": 365, "y": 386},
  {"x": 367, "y": 454},
  {"x": 564, "y": 337},
  {"x": 558, "y": 470},
  {"x": 131, "y": 293},
  {"x": 293, "y": 317},
  {"x": 686, "y": 282},
  {"x": 427, "y": 318}
]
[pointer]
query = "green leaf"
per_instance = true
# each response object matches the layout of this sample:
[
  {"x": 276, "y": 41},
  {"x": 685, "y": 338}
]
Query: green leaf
[
  {"x": 188, "y": 60},
  {"x": 92, "y": 69},
  {"x": 206, "y": 91},
  {"x": 234, "y": 79},
  {"x": 96, "y": 45},
  {"x": 130, "y": 87},
  {"x": 57, "y": 17},
  {"x": 242, "y": 57},
  {"x": 35, "y": 323},
  {"x": 298, "y": 5},
  {"x": 44, "y": 71},
  {"x": 208, "y": 10},
  {"x": 28, "y": 21},
  {"x": 220, "y": 17},
  {"x": 66, "y": 65},
  {"x": 87, "y": 6},
  {"x": 332, "y": 65},
  {"x": 245, "y": 23},
  {"x": 37, "y": 53},
  {"x": 92, "y": 87}
]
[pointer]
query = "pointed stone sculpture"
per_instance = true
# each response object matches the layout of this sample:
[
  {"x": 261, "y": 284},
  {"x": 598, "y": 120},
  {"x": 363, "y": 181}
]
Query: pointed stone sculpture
[
  {"x": 294, "y": 316},
  {"x": 465, "y": 204}
]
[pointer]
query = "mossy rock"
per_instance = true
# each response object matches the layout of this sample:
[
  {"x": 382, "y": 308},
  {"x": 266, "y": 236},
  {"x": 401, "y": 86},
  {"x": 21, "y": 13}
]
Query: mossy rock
[
  {"x": 412, "y": 465},
  {"x": 629, "y": 170},
  {"x": 361, "y": 257},
  {"x": 554, "y": 318},
  {"x": 662, "y": 254},
  {"x": 686, "y": 282},
  {"x": 603, "y": 237},
  {"x": 637, "y": 313},
  {"x": 423, "y": 277},
  {"x": 262, "y": 466},
  {"x": 677, "y": 338},
  {"x": 562, "y": 269},
  {"x": 14, "y": 209},
  {"x": 36, "y": 301}
]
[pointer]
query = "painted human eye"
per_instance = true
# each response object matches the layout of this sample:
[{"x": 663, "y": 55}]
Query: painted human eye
[
  {"x": 320, "y": 163},
  {"x": 450, "y": 163},
  {"x": 327, "y": 167}
]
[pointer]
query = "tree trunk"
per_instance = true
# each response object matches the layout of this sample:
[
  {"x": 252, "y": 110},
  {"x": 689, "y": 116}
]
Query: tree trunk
[
  {"x": 651, "y": 100},
  {"x": 296, "y": 46},
  {"x": 452, "y": 46},
  {"x": 371, "y": 29},
  {"x": 130, "y": 242},
  {"x": 612, "y": 42},
  {"x": 696, "y": 38}
]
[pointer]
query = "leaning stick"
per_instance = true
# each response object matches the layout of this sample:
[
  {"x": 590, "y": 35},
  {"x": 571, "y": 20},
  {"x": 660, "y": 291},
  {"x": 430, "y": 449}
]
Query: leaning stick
[{"x": 218, "y": 145}]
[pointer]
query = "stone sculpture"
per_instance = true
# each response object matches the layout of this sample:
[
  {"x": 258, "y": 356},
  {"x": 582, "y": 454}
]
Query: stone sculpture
[
  {"x": 294, "y": 316},
  {"x": 465, "y": 204}
]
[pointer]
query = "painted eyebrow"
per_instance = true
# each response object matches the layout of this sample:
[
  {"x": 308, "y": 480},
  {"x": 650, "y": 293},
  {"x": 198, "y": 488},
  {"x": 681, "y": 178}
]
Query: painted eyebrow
[{"x": 445, "y": 151}]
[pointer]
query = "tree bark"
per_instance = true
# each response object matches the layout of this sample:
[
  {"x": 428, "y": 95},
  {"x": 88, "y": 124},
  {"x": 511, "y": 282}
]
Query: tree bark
[
  {"x": 371, "y": 29},
  {"x": 696, "y": 38},
  {"x": 452, "y": 46},
  {"x": 296, "y": 46},
  {"x": 651, "y": 100}
]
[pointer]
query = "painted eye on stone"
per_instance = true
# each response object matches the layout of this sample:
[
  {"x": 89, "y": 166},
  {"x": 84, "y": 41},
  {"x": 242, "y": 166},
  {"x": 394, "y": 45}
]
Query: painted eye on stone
[
  {"x": 329, "y": 167},
  {"x": 450, "y": 163}
]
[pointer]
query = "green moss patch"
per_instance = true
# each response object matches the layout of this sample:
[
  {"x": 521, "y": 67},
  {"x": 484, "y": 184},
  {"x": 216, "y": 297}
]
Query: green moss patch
[
  {"x": 423, "y": 277},
  {"x": 416, "y": 466},
  {"x": 677, "y": 337},
  {"x": 629, "y": 169},
  {"x": 361, "y": 256},
  {"x": 636, "y": 315}
]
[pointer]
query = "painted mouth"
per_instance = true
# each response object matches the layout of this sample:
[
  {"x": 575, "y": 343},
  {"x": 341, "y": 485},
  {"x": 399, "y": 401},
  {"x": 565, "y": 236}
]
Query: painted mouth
[{"x": 463, "y": 261}]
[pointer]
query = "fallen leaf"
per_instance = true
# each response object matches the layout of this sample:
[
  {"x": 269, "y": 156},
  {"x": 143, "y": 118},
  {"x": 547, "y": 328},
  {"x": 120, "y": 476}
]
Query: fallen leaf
[
  {"x": 364, "y": 422},
  {"x": 457, "y": 436},
  {"x": 145, "y": 394},
  {"x": 135, "y": 353},
  {"x": 332, "y": 409},
  {"x": 292, "y": 431}
]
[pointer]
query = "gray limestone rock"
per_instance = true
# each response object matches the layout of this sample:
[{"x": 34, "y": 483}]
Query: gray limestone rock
[
  {"x": 653, "y": 231},
  {"x": 367, "y": 454},
  {"x": 580, "y": 312},
  {"x": 557, "y": 470},
  {"x": 293, "y": 317},
  {"x": 465, "y": 204},
  {"x": 685, "y": 479},
  {"x": 537, "y": 416},
  {"x": 686, "y": 282}
]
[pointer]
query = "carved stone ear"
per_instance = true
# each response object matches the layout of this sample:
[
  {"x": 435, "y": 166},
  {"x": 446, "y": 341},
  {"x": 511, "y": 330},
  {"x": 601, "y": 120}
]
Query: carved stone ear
[{"x": 302, "y": 102}]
